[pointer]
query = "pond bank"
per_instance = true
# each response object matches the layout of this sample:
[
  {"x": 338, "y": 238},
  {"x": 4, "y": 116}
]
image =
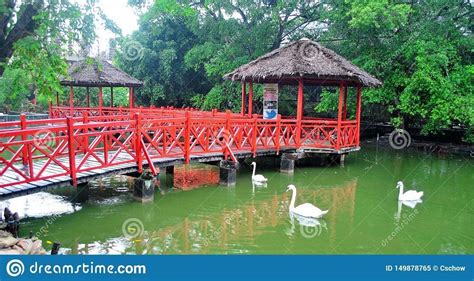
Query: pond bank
[{"x": 425, "y": 146}]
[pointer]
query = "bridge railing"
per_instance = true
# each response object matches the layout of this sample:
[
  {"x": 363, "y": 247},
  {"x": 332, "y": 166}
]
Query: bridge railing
[{"x": 35, "y": 150}]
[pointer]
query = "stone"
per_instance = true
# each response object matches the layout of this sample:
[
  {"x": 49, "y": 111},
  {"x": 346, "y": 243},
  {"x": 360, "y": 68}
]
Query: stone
[
  {"x": 228, "y": 172},
  {"x": 37, "y": 248},
  {"x": 7, "y": 242},
  {"x": 144, "y": 189},
  {"x": 25, "y": 244},
  {"x": 10, "y": 251},
  {"x": 19, "y": 249},
  {"x": 287, "y": 163}
]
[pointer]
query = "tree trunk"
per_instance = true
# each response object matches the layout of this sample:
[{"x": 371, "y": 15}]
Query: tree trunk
[{"x": 24, "y": 26}]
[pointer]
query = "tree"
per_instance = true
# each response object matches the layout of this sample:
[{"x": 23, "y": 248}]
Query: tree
[
  {"x": 422, "y": 50},
  {"x": 200, "y": 41},
  {"x": 35, "y": 38}
]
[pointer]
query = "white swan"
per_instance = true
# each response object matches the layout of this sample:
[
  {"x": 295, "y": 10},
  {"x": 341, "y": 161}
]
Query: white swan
[
  {"x": 306, "y": 210},
  {"x": 257, "y": 178},
  {"x": 410, "y": 195}
]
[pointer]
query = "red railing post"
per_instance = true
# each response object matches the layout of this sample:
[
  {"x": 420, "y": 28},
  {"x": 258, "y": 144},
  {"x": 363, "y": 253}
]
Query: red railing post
[
  {"x": 227, "y": 134},
  {"x": 138, "y": 142},
  {"x": 187, "y": 137},
  {"x": 85, "y": 141},
  {"x": 277, "y": 133},
  {"x": 25, "y": 149},
  {"x": 254, "y": 136},
  {"x": 71, "y": 150},
  {"x": 106, "y": 145}
]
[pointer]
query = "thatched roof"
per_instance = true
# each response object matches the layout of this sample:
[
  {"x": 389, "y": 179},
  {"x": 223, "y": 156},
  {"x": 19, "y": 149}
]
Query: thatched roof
[
  {"x": 303, "y": 58},
  {"x": 97, "y": 73}
]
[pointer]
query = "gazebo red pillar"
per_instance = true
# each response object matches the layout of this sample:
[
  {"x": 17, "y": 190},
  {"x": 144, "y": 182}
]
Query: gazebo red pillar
[
  {"x": 344, "y": 110},
  {"x": 131, "y": 97},
  {"x": 250, "y": 98},
  {"x": 100, "y": 101},
  {"x": 299, "y": 111},
  {"x": 339, "y": 116},
  {"x": 88, "y": 99},
  {"x": 111, "y": 96},
  {"x": 71, "y": 100},
  {"x": 358, "y": 112},
  {"x": 242, "y": 111}
]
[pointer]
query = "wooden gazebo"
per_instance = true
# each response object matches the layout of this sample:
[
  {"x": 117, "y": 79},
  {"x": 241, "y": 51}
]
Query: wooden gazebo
[
  {"x": 95, "y": 73},
  {"x": 304, "y": 62}
]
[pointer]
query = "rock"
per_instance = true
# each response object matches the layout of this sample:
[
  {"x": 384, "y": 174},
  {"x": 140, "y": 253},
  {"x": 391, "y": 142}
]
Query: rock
[
  {"x": 7, "y": 242},
  {"x": 10, "y": 251},
  {"x": 37, "y": 248},
  {"x": 25, "y": 244},
  {"x": 19, "y": 249},
  {"x": 4, "y": 234}
]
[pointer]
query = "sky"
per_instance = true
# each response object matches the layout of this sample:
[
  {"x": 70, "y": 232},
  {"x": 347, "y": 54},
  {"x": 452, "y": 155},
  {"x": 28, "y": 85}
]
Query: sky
[{"x": 118, "y": 11}]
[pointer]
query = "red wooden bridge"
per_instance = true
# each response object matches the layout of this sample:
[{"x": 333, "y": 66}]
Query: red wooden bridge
[
  {"x": 76, "y": 147},
  {"x": 79, "y": 144}
]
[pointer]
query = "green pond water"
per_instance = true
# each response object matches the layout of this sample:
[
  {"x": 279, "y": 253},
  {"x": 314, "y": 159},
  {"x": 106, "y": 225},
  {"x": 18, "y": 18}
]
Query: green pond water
[{"x": 364, "y": 216}]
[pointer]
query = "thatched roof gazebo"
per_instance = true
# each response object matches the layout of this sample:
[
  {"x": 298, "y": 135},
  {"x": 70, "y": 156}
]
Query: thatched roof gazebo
[
  {"x": 95, "y": 73},
  {"x": 304, "y": 62}
]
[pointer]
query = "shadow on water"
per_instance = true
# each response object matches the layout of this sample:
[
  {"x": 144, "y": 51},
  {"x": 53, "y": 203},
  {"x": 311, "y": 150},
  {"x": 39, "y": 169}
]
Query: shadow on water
[{"x": 364, "y": 213}]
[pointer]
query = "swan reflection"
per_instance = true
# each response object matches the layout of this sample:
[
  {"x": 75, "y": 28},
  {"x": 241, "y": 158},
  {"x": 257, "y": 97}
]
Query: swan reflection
[
  {"x": 411, "y": 204},
  {"x": 308, "y": 226},
  {"x": 257, "y": 185}
]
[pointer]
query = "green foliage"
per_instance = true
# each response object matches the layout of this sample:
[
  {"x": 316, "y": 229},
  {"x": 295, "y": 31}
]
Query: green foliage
[
  {"x": 38, "y": 60},
  {"x": 188, "y": 46},
  {"x": 421, "y": 50}
]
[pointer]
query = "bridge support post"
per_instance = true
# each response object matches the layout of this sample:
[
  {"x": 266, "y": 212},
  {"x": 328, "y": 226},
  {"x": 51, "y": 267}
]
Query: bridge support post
[
  {"x": 228, "y": 172},
  {"x": 144, "y": 188},
  {"x": 81, "y": 194},
  {"x": 287, "y": 163},
  {"x": 337, "y": 159},
  {"x": 170, "y": 170}
]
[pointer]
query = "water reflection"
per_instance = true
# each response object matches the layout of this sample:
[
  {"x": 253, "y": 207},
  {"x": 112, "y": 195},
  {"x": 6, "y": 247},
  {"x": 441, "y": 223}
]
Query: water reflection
[
  {"x": 250, "y": 219},
  {"x": 230, "y": 230},
  {"x": 309, "y": 227},
  {"x": 258, "y": 185},
  {"x": 188, "y": 177},
  {"x": 411, "y": 204}
]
